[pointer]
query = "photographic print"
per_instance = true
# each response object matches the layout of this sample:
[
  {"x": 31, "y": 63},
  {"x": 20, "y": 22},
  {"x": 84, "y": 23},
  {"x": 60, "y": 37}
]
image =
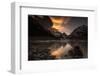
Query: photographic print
[{"x": 57, "y": 37}]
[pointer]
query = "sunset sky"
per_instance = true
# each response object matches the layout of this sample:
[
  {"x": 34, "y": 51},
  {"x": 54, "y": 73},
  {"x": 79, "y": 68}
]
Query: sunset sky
[{"x": 67, "y": 24}]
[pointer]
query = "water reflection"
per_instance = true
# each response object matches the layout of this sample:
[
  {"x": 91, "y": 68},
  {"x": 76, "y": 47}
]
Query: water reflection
[{"x": 48, "y": 50}]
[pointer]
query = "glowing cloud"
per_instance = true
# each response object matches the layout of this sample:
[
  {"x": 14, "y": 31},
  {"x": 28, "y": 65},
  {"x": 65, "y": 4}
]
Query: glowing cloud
[{"x": 59, "y": 24}]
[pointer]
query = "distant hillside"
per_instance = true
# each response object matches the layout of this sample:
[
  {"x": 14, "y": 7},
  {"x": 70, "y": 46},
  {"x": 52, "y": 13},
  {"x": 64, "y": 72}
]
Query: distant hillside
[{"x": 80, "y": 33}]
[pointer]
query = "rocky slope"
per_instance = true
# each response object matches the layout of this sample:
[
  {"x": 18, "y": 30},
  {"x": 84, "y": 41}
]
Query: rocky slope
[
  {"x": 39, "y": 27},
  {"x": 80, "y": 33}
]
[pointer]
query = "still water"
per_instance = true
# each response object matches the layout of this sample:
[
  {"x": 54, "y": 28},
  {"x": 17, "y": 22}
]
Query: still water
[{"x": 49, "y": 50}]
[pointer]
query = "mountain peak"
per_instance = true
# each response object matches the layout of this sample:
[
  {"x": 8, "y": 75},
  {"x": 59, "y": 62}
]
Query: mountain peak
[{"x": 80, "y": 32}]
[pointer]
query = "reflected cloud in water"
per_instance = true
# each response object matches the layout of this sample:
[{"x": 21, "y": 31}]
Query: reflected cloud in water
[{"x": 57, "y": 50}]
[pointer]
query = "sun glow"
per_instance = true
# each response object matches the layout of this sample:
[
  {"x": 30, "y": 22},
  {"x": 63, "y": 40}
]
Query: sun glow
[
  {"x": 57, "y": 22},
  {"x": 61, "y": 24}
]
